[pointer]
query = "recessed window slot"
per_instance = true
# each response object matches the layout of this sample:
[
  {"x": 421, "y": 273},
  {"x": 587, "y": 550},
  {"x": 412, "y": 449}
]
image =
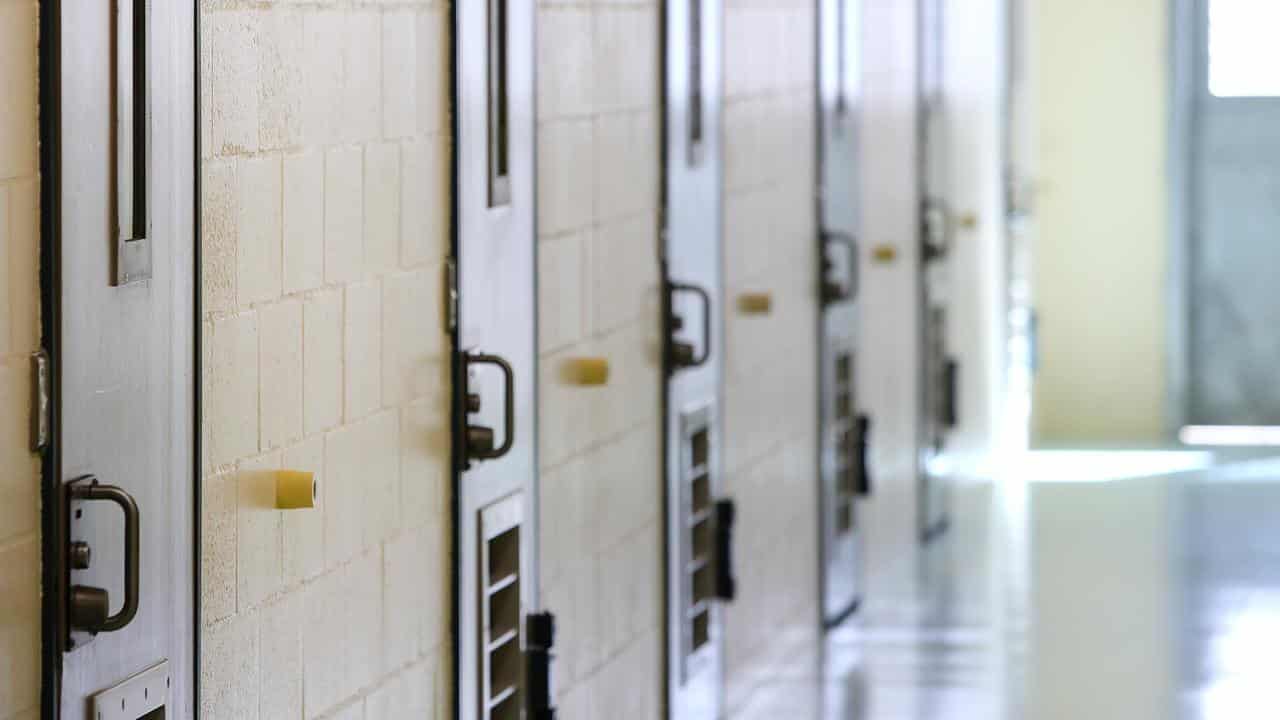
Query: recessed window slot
[
  {"x": 701, "y": 492},
  {"x": 696, "y": 99},
  {"x": 499, "y": 106}
]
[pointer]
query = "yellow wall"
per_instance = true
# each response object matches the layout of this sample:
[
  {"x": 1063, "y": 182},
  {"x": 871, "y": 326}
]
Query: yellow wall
[
  {"x": 19, "y": 337},
  {"x": 1100, "y": 78},
  {"x": 325, "y": 218}
]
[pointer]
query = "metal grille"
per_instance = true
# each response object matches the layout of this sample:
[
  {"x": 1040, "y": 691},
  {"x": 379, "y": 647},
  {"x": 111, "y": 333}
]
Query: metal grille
[
  {"x": 500, "y": 601},
  {"x": 699, "y": 575},
  {"x": 845, "y": 428}
]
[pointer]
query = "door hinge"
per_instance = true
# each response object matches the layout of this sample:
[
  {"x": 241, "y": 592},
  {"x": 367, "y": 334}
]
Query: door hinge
[
  {"x": 40, "y": 405},
  {"x": 451, "y": 294}
]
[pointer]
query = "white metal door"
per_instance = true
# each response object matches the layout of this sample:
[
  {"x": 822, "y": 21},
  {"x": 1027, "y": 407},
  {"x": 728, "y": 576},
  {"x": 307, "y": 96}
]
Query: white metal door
[
  {"x": 495, "y": 366},
  {"x": 122, "y": 136},
  {"x": 842, "y": 434},
  {"x": 698, "y": 525},
  {"x": 938, "y": 372}
]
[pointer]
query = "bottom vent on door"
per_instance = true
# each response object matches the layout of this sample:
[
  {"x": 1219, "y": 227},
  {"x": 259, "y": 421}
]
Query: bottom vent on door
[{"x": 501, "y": 599}]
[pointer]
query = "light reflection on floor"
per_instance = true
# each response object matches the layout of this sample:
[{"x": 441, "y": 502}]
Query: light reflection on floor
[{"x": 1141, "y": 598}]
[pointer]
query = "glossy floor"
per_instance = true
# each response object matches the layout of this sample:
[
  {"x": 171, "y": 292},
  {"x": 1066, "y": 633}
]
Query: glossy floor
[{"x": 1097, "y": 597}]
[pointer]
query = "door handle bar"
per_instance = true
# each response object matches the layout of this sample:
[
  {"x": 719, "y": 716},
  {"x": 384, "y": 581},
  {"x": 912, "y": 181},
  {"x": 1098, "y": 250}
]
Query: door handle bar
[
  {"x": 95, "y": 492},
  {"x": 832, "y": 293},
  {"x": 509, "y": 409},
  {"x": 702, "y": 358}
]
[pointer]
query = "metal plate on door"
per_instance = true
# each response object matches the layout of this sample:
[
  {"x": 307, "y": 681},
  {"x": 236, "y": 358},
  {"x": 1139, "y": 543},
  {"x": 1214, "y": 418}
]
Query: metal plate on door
[{"x": 144, "y": 696}]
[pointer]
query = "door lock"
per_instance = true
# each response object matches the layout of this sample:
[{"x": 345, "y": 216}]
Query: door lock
[
  {"x": 88, "y": 608},
  {"x": 725, "y": 518},
  {"x": 480, "y": 439},
  {"x": 863, "y": 449},
  {"x": 541, "y": 638},
  {"x": 682, "y": 354}
]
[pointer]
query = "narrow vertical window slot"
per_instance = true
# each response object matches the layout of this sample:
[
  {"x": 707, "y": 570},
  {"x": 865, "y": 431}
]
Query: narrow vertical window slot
[
  {"x": 842, "y": 50},
  {"x": 499, "y": 106},
  {"x": 695, "y": 81},
  {"x": 131, "y": 119}
]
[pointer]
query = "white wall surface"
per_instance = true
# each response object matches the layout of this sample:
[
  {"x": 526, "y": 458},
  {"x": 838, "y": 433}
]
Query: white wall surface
[
  {"x": 1099, "y": 75},
  {"x": 887, "y": 379}
]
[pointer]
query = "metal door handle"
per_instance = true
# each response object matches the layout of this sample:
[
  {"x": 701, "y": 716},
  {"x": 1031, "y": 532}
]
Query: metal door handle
[
  {"x": 863, "y": 449},
  {"x": 93, "y": 491},
  {"x": 831, "y": 292},
  {"x": 676, "y": 323},
  {"x": 509, "y": 410}
]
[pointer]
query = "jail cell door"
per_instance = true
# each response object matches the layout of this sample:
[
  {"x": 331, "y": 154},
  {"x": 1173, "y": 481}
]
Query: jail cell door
[
  {"x": 119, "y": 147},
  {"x": 842, "y": 434},
  {"x": 1234, "y": 216},
  {"x": 698, "y": 525},
  {"x": 502, "y": 641},
  {"x": 938, "y": 371}
]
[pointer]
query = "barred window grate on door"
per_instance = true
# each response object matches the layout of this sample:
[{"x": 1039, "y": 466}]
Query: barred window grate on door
[
  {"x": 699, "y": 577},
  {"x": 845, "y": 429},
  {"x": 499, "y": 641}
]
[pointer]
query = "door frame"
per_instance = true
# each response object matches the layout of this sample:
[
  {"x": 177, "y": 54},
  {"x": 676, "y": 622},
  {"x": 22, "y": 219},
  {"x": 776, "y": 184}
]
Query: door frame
[
  {"x": 1186, "y": 57},
  {"x": 48, "y": 71}
]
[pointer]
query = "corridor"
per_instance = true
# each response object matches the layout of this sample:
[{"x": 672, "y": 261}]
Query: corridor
[
  {"x": 1153, "y": 594},
  {"x": 639, "y": 359}
]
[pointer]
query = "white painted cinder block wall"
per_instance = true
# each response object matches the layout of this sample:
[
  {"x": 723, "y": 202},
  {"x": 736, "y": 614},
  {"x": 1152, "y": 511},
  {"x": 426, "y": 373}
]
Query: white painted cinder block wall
[
  {"x": 770, "y": 361},
  {"x": 325, "y": 226},
  {"x": 19, "y": 337},
  {"x": 599, "y": 154}
]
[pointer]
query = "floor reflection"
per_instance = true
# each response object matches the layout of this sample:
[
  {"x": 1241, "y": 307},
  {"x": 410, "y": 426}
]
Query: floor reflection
[{"x": 1134, "y": 598}]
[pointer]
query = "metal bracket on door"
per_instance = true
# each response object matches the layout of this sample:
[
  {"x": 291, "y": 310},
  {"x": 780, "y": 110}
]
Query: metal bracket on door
[
  {"x": 40, "y": 404},
  {"x": 86, "y": 609},
  {"x": 540, "y": 631},
  {"x": 863, "y": 449},
  {"x": 142, "y": 697},
  {"x": 725, "y": 518},
  {"x": 950, "y": 411},
  {"x": 681, "y": 354}
]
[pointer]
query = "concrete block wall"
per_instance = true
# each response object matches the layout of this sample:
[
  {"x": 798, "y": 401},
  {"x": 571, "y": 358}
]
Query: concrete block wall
[
  {"x": 19, "y": 337},
  {"x": 770, "y": 391},
  {"x": 599, "y": 156},
  {"x": 325, "y": 218}
]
